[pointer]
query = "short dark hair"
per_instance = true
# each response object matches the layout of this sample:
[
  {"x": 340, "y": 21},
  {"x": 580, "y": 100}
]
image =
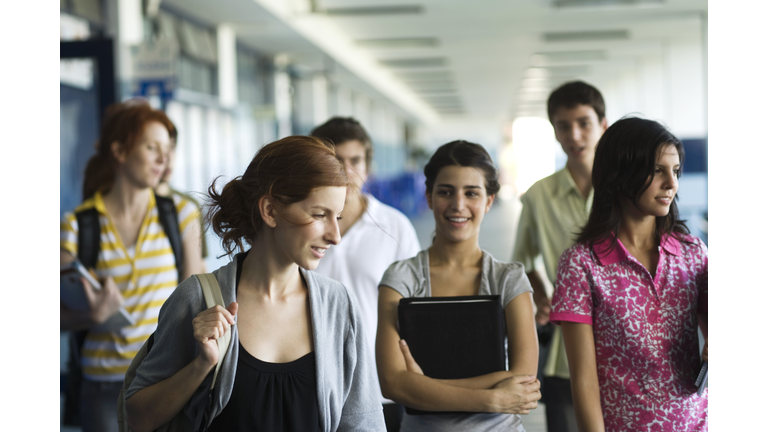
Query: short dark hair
[
  {"x": 575, "y": 93},
  {"x": 625, "y": 159},
  {"x": 464, "y": 154},
  {"x": 339, "y": 130}
]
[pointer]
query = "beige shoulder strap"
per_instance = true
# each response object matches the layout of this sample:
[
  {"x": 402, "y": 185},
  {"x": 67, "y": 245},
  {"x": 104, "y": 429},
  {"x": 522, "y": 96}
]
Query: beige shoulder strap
[{"x": 212, "y": 294}]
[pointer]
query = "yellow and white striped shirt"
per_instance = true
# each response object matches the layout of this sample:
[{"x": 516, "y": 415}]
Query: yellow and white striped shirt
[{"x": 145, "y": 274}]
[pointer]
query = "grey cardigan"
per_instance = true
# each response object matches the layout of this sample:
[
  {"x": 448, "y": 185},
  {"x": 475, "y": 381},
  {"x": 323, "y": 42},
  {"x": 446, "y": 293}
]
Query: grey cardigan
[{"x": 347, "y": 394}]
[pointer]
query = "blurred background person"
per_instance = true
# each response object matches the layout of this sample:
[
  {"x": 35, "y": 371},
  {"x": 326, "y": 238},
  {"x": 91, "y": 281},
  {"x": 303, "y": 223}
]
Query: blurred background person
[
  {"x": 374, "y": 235},
  {"x": 136, "y": 263},
  {"x": 632, "y": 292},
  {"x": 554, "y": 208}
]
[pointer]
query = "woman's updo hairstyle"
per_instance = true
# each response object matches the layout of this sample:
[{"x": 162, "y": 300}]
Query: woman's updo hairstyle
[
  {"x": 122, "y": 123},
  {"x": 288, "y": 170},
  {"x": 464, "y": 154}
]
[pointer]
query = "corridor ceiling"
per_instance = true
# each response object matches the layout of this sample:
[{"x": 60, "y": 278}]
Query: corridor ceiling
[{"x": 443, "y": 59}]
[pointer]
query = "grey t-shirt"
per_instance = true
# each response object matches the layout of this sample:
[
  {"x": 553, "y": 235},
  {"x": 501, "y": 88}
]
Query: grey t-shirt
[{"x": 410, "y": 278}]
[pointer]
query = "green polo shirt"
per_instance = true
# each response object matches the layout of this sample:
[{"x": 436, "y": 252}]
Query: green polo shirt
[{"x": 553, "y": 212}]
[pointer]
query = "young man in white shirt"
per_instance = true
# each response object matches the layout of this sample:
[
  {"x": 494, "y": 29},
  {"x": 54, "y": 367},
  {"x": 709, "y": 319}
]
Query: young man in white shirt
[{"x": 373, "y": 234}]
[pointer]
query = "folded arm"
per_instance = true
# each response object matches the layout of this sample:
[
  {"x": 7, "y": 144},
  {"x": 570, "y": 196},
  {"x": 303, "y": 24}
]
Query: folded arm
[{"x": 498, "y": 392}]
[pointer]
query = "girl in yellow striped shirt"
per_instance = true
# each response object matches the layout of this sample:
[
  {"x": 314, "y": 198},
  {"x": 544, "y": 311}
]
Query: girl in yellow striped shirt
[{"x": 136, "y": 265}]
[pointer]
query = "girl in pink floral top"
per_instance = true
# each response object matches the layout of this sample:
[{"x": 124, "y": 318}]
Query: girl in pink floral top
[{"x": 633, "y": 290}]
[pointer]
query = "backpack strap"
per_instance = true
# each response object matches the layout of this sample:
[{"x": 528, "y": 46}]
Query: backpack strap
[
  {"x": 88, "y": 237},
  {"x": 88, "y": 247},
  {"x": 166, "y": 213},
  {"x": 213, "y": 297}
]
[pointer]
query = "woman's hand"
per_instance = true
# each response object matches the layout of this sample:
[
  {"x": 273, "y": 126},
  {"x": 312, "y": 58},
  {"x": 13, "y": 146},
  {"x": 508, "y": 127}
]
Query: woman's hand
[
  {"x": 410, "y": 363},
  {"x": 704, "y": 353},
  {"x": 210, "y": 325},
  {"x": 518, "y": 394},
  {"x": 105, "y": 302}
]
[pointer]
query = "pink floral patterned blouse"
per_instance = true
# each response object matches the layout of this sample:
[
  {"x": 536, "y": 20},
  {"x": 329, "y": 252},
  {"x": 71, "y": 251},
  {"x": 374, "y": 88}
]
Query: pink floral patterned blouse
[{"x": 645, "y": 330}]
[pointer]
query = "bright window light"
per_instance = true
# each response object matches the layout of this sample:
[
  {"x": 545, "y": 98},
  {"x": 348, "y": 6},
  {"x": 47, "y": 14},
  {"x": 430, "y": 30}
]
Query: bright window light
[{"x": 533, "y": 151}]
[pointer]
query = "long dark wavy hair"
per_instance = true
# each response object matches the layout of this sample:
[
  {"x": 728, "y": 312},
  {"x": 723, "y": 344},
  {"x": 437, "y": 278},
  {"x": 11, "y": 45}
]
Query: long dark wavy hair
[{"x": 625, "y": 159}]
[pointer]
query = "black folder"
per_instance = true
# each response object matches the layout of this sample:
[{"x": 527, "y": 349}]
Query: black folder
[{"x": 454, "y": 337}]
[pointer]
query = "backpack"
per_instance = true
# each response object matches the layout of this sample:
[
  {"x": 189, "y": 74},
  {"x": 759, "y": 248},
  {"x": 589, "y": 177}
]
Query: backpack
[
  {"x": 180, "y": 422},
  {"x": 88, "y": 247}
]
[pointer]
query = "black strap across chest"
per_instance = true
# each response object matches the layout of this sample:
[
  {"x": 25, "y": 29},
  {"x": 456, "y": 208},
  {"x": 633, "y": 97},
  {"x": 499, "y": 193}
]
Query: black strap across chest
[{"x": 89, "y": 233}]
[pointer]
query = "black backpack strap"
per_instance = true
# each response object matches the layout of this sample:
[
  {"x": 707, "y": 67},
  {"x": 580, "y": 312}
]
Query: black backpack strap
[
  {"x": 88, "y": 237},
  {"x": 88, "y": 247},
  {"x": 166, "y": 213}
]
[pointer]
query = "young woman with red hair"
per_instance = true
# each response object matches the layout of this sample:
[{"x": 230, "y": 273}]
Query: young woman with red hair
[
  {"x": 298, "y": 359},
  {"x": 135, "y": 264}
]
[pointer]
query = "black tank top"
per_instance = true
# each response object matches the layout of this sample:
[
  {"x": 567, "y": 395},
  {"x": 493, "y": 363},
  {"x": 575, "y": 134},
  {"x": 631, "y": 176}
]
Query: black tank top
[{"x": 270, "y": 396}]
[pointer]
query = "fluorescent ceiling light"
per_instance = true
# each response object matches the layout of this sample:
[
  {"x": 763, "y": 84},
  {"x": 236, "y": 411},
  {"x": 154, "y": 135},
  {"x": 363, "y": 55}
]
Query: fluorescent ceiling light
[
  {"x": 445, "y": 104},
  {"x": 569, "y": 71},
  {"x": 561, "y": 4},
  {"x": 440, "y": 97},
  {"x": 534, "y": 90},
  {"x": 591, "y": 35},
  {"x": 425, "y": 75},
  {"x": 430, "y": 84},
  {"x": 374, "y": 10},
  {"x": 548, "y": 58},
  {"x": 434, "y": 91},
  {"x": 558, "y": 74},
  {"x": 423, "y": 42},
  {"x": 414, "y": 62}
]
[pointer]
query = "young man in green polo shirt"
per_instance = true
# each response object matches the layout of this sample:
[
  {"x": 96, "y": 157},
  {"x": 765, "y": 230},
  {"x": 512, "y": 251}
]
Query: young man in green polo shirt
[{"x": 554, "y": 209}]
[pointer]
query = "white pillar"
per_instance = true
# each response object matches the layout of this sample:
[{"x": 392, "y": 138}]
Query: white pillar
[
  {"x": 130, "y": 25},
  {"x": 282, "y": 96},
  {"x": 126, "y": 28},
  {"x": 227, "y": 64},
  {"x": 319, "y": 99}
]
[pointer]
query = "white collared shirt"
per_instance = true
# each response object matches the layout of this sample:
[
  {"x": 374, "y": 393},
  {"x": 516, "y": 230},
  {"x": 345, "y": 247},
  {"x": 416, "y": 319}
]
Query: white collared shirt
[{"x": 380, "y": 237}]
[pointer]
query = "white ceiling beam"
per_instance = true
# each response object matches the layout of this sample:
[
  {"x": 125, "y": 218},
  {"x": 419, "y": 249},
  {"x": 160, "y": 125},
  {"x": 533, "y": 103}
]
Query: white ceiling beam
[{"x": 326, "y": 35}]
